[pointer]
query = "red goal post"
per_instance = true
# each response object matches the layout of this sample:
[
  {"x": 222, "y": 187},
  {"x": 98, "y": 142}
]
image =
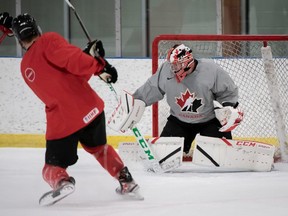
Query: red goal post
[{"x": 240, "y": 56}]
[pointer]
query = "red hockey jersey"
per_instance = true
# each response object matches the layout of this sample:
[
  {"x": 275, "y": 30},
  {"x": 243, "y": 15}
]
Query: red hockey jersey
[{"x": 58, "y": 73}]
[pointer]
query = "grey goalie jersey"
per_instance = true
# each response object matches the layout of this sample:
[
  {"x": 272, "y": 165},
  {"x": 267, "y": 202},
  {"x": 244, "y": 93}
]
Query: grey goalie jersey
[{"x": 191, "y": 100}]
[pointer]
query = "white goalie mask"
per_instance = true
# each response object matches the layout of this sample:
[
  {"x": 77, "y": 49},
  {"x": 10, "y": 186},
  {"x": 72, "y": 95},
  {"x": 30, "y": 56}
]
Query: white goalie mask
[{"x": 181, "y": 59}]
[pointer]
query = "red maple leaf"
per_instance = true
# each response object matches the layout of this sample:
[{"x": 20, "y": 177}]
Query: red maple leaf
[{"x": 181, "y": 101}]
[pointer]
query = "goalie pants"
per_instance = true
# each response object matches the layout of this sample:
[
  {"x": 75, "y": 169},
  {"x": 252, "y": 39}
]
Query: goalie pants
[
  {"x": 175, "y": 127},
  {"x": 62, "y": 153}
]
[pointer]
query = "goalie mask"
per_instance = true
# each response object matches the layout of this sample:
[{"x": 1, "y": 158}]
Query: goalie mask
[
  {"x": 181, "y": 59},
  {"x": 24, "y": 26}
]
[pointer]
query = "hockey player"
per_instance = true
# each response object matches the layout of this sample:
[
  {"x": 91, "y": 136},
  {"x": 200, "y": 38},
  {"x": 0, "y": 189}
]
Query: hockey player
[
  {"x": 193, "y": 88},
  {"x": 58, "y": 73}
]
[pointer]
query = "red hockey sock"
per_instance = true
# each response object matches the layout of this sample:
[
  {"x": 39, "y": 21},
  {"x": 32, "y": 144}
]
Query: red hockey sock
[
  {"x": 107, "y": 157},
  {"x": 54, "y": 174}
]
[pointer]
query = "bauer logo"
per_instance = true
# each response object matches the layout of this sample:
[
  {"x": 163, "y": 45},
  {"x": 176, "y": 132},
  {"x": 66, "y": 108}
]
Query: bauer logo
[
  {"x": 30, "y": 74},
  {"x": 90, "y": 115}
]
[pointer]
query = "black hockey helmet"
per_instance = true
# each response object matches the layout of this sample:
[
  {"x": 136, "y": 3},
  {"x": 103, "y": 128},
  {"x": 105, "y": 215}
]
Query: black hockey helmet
[{"x": 24, "y": 26}]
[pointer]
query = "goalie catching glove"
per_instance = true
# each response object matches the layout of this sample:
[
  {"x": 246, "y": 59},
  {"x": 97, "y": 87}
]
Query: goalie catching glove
[
  {"x": 127, "y": 114},
  {"x": 228, "y": 116}
]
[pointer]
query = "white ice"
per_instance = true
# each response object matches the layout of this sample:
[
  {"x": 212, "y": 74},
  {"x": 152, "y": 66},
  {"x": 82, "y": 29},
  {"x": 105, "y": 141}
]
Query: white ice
[{"x": 190, "y": 190}]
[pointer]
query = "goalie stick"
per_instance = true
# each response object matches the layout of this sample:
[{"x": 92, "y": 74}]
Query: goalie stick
[{"x": 140, "y": 139}]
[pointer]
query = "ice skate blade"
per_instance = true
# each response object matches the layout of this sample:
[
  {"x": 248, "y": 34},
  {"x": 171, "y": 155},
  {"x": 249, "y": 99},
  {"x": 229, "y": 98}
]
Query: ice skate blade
[
  {"x": 52, "y": 197},
  {"x": 133, "y": 195}
]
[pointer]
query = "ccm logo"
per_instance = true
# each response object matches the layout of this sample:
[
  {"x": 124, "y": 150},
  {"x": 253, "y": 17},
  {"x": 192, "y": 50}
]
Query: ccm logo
[{"x": 245, "y": 143}]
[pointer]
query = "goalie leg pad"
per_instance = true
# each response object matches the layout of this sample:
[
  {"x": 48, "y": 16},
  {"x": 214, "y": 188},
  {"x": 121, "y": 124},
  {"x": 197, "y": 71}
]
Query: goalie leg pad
[
  {"x": 169, "y": 151},
  {"x": 236, "y": 155}
]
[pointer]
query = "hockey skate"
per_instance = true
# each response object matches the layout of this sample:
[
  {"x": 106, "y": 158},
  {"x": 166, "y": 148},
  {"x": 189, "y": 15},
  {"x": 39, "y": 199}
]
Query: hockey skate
[
  {"x": 128, "y": 187},
  {"x": 65, "y": 188}
]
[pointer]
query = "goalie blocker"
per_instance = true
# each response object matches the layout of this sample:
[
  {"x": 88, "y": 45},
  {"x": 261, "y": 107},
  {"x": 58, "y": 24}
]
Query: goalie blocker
[{"x": 127, "y": 114}]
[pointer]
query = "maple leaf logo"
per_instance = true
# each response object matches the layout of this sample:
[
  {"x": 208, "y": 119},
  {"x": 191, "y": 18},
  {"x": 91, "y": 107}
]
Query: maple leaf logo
[{"x": 188, "y": 102}]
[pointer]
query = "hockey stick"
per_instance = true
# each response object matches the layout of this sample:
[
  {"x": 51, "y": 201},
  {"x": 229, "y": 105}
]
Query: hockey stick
[
  {"x": 86, "y": 33},
  {"x": 140, "y": 139},
  {"x": 79, "y": 19},
  {"x": 6, "y": 32},
  {"x": 2, "y": 37}
]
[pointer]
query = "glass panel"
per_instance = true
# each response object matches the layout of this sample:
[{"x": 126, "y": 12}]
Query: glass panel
[
  {"x": 182, "y": 17},
  {"x": 165, "y": 17},
  {"x": 131, "y": 21},
  {"x": 48, "y": 14},
  {"x": 268, "y": 17},
  {"x": 99, "y": 19}
]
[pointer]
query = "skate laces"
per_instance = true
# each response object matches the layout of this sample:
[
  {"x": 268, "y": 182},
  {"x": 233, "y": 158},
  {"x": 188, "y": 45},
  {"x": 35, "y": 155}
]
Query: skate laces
[
  {"x": 125, "y": 176},
  {"x": 127, "y": 184}
]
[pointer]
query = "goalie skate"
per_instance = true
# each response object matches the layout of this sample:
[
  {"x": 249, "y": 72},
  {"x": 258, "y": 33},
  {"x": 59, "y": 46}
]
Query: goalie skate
[{"x": 66, "y": 188}]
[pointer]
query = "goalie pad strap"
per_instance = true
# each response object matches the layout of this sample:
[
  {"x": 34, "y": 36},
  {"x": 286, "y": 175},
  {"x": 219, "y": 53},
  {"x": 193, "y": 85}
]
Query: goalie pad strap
[
  {"x": 170, "y": 155},
  {"x": 207, "y": 155}
]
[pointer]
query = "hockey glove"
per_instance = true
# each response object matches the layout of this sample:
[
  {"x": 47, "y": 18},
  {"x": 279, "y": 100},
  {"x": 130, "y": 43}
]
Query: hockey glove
[
  {"x": 95, "y": 48},
  {"x": 6, "y": 23},
  {"x": 109, "y": 74},
  {"x": 127, "y": 114},
  {"x": 228, "y": 116}
]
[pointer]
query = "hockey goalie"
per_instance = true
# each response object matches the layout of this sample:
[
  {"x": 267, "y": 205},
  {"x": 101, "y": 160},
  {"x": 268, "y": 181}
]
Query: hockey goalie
[{"x": 167, "y": 152}]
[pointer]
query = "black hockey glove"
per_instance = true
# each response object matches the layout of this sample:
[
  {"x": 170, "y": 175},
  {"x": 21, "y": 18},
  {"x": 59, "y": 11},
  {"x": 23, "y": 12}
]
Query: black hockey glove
[
  {"x": 6, "y": 20},
  {"x": 6, "y": 24},
  {"x": 109, "y": 74},
  {"x": 95, "y": 48}
]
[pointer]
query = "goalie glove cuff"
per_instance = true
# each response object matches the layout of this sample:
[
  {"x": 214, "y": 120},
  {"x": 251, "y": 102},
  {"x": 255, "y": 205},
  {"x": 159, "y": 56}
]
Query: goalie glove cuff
[{"x": 228, "y": 116}]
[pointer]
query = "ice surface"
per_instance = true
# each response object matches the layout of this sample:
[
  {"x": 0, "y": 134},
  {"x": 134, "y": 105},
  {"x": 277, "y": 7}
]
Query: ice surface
[{"x": 190, "y": 190}]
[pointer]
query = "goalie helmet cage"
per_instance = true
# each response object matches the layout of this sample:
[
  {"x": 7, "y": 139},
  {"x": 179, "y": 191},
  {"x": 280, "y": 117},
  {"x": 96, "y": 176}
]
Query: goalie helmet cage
[{"x": 263, "y": 89}]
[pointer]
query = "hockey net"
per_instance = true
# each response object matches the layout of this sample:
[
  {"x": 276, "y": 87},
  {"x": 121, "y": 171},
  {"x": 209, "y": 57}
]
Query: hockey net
[{"x": 241, "y": 57}]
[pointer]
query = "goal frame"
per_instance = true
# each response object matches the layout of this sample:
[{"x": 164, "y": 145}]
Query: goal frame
[{"x": 186, "y": 37}]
